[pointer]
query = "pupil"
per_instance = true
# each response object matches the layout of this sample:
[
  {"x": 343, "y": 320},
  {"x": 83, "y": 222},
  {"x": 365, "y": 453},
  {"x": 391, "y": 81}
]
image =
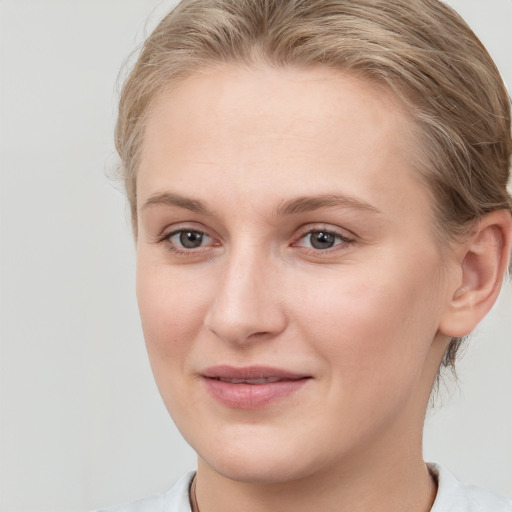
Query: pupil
[
  {"x": 321, "y": 240},
  {"x": 191, "y": 239}
]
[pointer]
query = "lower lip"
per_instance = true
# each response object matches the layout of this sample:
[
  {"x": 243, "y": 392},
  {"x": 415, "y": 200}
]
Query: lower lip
[{"x": 251, "y": 396}]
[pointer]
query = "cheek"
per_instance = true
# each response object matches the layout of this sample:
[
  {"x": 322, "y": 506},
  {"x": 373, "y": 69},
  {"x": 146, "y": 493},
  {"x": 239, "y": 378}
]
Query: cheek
[
  {"x": 373, "y": 327},
  {"x": 172, "y": 311}
]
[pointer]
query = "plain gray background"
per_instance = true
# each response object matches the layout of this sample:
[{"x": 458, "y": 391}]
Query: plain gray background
[{"x": 82, "y": 424}]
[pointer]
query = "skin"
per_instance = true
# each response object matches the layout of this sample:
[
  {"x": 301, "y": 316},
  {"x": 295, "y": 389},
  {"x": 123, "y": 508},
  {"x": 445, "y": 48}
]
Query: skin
[{"x": 235, "y": 153}]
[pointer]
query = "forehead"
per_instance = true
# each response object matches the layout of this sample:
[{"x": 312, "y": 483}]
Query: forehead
[
  {"x": 293, "y": 102},
  {"x": 295, "y": 130}
]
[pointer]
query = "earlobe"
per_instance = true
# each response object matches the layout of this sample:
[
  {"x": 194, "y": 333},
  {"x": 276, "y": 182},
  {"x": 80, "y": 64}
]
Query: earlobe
[{"x": 484, "y": 259}]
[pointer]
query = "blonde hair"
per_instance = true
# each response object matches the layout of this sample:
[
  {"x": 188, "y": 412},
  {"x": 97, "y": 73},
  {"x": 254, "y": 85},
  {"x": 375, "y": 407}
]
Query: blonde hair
[{"x": 420, "y": 49}]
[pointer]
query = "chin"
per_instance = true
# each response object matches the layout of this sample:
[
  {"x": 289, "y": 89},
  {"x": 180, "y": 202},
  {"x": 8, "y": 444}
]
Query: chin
[
  {"x": 266, "y": 462},
  {"x": 258, "y": 470}
]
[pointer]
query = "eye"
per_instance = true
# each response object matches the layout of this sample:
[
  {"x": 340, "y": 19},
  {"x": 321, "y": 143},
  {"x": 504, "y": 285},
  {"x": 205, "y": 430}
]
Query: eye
[
  {"x": 189, "y": 239},
  {"x": 321, "y": 239}
]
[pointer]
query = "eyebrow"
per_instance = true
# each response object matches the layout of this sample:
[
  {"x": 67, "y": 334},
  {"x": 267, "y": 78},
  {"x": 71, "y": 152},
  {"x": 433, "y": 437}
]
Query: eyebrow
[
  {"x": 311, "y": 203},
  {"x": 168, "y": 199},
  {"x": 294, "y": 206}
]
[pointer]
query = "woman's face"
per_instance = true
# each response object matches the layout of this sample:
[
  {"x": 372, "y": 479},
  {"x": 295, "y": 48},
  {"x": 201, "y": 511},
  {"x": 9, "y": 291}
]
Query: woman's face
[{"x": 288, "y": 280}]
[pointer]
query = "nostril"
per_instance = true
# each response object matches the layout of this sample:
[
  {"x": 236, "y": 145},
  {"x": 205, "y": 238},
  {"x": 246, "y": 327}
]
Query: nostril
[{"x": 259, "y": 334}]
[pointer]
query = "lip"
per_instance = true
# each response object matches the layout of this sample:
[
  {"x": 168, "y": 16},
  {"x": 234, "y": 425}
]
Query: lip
[{"x": 251, "y": 387}]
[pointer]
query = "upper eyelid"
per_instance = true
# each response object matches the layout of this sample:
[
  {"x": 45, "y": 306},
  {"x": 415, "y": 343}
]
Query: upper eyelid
[
  {"x": 335, "y": 230},
  {"x": 168, "y": 231},
  {"x": 194, "y": 230}
]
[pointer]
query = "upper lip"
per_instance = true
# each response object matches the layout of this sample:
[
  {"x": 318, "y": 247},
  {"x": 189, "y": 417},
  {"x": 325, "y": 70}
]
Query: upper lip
[{"x": 251, "y": 373}]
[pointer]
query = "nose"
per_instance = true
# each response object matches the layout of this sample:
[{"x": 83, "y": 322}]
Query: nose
[{"x": 246, "y": 305}]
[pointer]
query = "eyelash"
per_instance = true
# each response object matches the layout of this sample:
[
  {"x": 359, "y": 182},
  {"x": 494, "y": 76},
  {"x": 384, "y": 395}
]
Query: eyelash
[
  {"x": 339, "y": 240},
  {"x": 182, "y": 251}
]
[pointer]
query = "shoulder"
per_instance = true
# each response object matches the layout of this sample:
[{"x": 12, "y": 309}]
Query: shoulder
[
  {"x": 454, "y": 496},
  {"x": 174, "y": 500}
]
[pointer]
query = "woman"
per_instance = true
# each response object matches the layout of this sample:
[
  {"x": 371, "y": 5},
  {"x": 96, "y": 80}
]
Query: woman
[{"x": 318, "y": 195}]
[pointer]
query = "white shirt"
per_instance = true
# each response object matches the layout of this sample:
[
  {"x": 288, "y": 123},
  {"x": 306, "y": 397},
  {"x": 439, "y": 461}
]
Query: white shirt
[{"x": 452, "y": 496}]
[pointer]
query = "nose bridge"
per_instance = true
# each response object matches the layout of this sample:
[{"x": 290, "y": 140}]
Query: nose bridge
[{"x": 245, "y": 302}]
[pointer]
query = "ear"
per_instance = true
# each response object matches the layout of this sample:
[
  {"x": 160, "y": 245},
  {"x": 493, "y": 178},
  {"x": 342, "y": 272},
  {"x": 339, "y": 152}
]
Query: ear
[{"x": 482, "y": 264}]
